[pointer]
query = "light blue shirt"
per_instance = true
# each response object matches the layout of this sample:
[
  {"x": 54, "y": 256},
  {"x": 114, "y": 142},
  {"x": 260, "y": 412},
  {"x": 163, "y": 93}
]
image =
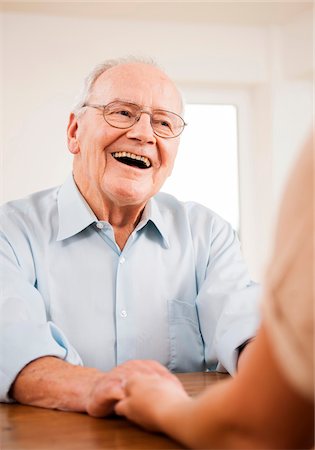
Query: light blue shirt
[{"x": 179, "y": 292}]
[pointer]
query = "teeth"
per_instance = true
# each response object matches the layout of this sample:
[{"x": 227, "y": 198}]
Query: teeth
[{"x": 144, "y": 159}]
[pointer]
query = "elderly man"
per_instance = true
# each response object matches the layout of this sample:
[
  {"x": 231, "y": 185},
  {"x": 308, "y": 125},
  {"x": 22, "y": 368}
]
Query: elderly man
[{"x": 105, "y": 277}]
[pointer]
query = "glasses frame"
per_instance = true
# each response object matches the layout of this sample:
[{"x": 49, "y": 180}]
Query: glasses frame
[{"x": 137, "y": 118}]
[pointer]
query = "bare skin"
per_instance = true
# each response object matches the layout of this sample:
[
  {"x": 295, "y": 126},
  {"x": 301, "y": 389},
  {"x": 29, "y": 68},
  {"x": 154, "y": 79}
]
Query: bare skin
[
  {"x": 49, "y": 382},
  {"x": 258, "y": 409}
]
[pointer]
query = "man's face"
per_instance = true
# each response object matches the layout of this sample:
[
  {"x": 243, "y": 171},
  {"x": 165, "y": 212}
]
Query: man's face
[{"x": 96, "y": 144}]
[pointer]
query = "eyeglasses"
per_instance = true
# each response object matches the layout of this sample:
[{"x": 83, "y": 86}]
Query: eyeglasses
[{"x": 119, "y": 114}]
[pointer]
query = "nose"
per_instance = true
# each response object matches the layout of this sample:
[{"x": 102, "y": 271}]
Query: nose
[{"x": 142, "y": 130}]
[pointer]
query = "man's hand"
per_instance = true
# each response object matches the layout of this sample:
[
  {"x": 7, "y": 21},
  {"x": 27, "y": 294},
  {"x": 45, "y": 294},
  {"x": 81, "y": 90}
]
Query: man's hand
[
  {"x": 50, "y": 382},
  {"x": 110, "y": 388},
  {"x": 150, "y": 398}
]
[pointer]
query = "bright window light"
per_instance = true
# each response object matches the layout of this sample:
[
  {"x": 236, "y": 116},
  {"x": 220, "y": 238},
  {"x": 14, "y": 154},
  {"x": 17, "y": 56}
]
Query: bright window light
[{"x": 206, "y": 168}]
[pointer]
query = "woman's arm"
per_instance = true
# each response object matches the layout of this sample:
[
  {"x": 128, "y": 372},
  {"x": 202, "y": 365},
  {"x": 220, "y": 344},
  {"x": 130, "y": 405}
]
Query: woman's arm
[{"x": 256, "y": 409}]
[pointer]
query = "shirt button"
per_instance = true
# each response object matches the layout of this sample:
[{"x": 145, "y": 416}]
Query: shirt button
[
  {"x": 100, "y": 225},
  {"x": 123, "y": 313},
  {"x": 122, "y": 260}
]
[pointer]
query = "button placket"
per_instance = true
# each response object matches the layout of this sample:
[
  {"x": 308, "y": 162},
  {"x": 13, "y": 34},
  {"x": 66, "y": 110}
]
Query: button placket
[
  {"x": 122, "y": 260},
  {"x": 123, "y": 313},
  {"x": 99, "y": 225},
  {"x": 122, "y": 322}
]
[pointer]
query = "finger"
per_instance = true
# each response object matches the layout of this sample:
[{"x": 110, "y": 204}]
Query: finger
[
  {"x": 121, "y": 407},
  {"x": 137, "y": 380},
  {"x": 105, "y": 397},
  {"x": 143, "y": 366},
  {"x": 117, "y": 392},
  {"x": 102, "y": 409},
  {"x": 165, "y": 373},
  {"x": 156, "y": 367}
]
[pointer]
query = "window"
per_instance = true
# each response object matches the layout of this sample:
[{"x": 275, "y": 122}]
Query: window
[{"x": 206, "y": 168}]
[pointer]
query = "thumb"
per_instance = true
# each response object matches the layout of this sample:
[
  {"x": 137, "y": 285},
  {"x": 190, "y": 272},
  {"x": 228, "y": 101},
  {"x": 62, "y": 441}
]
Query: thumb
[
  {"x": 121, "y": 407},
  {"x": 117, "y": 392}
]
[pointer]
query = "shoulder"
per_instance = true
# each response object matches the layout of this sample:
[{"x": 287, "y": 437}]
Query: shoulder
[
  {"x": 36, "y": 207},
  {"x": 194, "y": 214}
]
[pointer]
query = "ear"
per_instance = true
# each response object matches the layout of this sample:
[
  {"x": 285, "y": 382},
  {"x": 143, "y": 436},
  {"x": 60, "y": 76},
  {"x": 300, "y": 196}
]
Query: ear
[{"x": 72, "y": 129}]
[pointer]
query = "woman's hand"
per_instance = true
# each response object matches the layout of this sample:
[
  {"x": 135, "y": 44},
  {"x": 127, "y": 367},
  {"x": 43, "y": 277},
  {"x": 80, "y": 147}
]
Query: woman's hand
[
  {"x": 110, "y": 386},
  {"x": 150, "y": 400}
]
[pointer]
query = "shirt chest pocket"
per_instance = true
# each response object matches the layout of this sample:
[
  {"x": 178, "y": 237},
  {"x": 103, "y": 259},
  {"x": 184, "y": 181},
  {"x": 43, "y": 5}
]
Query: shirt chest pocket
[{"x": 186, "y": 343}]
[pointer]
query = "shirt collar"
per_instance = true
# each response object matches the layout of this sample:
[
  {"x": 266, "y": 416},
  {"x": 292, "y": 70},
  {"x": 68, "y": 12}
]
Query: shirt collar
[
  {"x": 153, "y": 214},
  {"x": 74, "y": 213}
]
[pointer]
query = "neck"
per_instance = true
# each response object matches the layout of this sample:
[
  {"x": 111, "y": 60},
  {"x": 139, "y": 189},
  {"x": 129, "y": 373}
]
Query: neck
[{"x": 123, "y": 218}]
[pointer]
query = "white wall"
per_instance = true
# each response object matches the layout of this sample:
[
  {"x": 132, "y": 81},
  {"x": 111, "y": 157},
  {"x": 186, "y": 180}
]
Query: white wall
[
  {"x": 282, "y": 116},
  {"x": 266, "y": 69}
]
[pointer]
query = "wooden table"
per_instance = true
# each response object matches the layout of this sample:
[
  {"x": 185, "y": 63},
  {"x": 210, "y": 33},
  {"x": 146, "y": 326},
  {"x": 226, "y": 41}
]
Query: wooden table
[{"x": 30, "y": 428}]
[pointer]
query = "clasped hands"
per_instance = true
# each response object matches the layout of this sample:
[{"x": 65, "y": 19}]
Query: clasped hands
[{"x": 141, "y": 390}]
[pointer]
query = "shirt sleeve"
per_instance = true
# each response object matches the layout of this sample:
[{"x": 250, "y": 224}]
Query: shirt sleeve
[
  {"x": 25, "y": 331},
  {"x": 228, "y": 301}
]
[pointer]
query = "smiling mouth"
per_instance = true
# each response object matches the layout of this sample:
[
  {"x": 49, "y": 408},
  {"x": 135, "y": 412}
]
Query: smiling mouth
[{"x": 131, "y": 159}]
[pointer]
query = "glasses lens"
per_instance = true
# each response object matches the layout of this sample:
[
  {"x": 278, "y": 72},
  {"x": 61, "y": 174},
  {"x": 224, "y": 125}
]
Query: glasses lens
[
  {"x": 124, "y": 115},
  {"x": 121, "y": 115},
  {"x": 167, "y": 124}
]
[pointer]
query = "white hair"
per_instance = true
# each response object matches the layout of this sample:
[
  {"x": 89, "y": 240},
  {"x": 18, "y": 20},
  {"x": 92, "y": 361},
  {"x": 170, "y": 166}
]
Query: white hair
[{"x": 90, "y": 80}]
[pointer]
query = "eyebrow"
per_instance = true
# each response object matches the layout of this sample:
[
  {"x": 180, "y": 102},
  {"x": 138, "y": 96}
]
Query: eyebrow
[{"x": 116, "y": 99}]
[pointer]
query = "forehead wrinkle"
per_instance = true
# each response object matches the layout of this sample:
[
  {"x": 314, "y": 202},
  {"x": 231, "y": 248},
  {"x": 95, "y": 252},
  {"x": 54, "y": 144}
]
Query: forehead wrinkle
[{"x": 137, "y": 81}]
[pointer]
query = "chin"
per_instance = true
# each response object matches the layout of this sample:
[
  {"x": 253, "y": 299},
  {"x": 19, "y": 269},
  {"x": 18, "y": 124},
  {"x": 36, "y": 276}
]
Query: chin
[
  {"x": 125, "y": 197},
  {"x": 125, "y": 191}
]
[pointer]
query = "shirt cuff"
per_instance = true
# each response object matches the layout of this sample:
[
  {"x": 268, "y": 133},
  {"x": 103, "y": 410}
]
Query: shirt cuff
[{"x": 235, "y": 328}]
